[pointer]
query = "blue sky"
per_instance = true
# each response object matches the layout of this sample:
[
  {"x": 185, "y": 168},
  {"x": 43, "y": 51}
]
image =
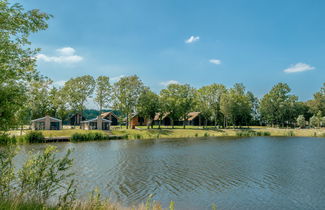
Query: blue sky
[{"x": 255, "y": 42}]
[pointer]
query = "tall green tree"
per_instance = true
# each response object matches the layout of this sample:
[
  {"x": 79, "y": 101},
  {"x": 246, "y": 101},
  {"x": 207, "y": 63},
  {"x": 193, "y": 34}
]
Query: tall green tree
[
  {"x": 236, "y": 106},
  {"x": 77, "y": 91},
  {"x": 58, "y": 102},
  {"x": 17, "y": 58},
  {"x": 148, "y": 105},
  {"x": 208, "y": 101},
  {"x": 178, "y": 101},
  {"x": 103, "y": 92},
  {"x": 318, "y": 102},
  {"x": 278, "y": 106},
  {"x": 39, "y": 97},
  {"x": 126, "y": 95}
]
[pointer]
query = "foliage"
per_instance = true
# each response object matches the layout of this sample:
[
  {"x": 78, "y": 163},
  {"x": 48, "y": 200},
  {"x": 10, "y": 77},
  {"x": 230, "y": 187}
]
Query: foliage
[
  {"x": 278, "y": 107},
  {"x": 236, "y": 106},
  {"x": 178, "y": 100},
  {"x": 301, "y": 122},
  {"x": 17, "y": 59},
  {"x": 126, "y": 95},
  {"x": 318, "y": 103},
  {"x": 148, "y": 105},
  {"x": 253, "y": 133},
  {"x": 89, "y": 136},
  {"x": 42, "y": 176},
  {"x": 7, "y": 140},
  {"x": 77, "y": 91},
  {"x": 34, "y": 137},
  {"x": 314, "y": 121},
  {"x": 208, "y": 101},
  {"x": 103, "y": 92}
]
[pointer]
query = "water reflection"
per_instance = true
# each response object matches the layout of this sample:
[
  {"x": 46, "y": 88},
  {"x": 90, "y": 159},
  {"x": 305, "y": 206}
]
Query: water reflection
[{"x": 252, "y": 173}]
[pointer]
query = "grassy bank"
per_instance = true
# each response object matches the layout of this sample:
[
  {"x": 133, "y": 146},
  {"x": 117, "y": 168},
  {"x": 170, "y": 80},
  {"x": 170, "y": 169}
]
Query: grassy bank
[{"x": 178, "y": 132}]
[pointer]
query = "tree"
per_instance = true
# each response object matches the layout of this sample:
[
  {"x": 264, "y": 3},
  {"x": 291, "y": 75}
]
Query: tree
[
  {"x": 148, "y": 105},
  {"x": 179, "y": 101},
  {"x": 208, "y": 101},
  {"x": 59, "y": 105},
  {"x": 77, "y": 91},
  {"x": 301, "y": 122},
  {"x": 236, "y": 106},
  {"x": 39, "y": 97},
  {"x": 318, "y": 103},
  {"x": 126, "y": 95},
  {"x": 103, "y": 92},
  {"x": 314, "y": 121},
  {"x": 255, "y": 104},
  {"x": 17, "y": 59},
  {"x": 278, "y": 107}
]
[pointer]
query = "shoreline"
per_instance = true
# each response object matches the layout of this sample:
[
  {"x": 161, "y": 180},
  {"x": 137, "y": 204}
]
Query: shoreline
[{"x": 65, "y": 135}]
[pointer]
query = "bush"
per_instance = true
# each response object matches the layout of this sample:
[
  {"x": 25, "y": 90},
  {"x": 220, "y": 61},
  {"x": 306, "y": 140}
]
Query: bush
[
  {"x": 6, "y": 139},
  {"x": 34, "y": 137},
  {"x": 290, "y": 133},
  {"x": 89, "y": 137},
  {"x": 253, "y": 133},
  {"x": 42, "y": 177}
]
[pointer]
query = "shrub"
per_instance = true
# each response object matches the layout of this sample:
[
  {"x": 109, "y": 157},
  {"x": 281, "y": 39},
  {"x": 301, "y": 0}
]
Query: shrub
[
  {"x": 42, "y": 177},
  {"x": 89, "y": 136},
  {"x": 253, "y": 133},
  {"x": 34, "y": 137},
  {"x": 290, "y": 133},
  {"x": 6, "y": 139}
]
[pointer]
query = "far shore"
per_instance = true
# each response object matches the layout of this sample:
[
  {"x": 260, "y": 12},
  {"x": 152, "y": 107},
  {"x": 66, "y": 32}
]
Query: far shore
[{"x": 178, "y": 132}]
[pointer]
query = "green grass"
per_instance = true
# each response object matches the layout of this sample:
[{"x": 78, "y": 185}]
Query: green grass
[{"x": 190, "y": 132}]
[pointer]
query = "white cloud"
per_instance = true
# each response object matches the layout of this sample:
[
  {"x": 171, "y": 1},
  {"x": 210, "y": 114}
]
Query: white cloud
[
  {"x": 66, "y": 51},
  {"x": 215, "y": 61},
  {"x": 117, "y": 78},
  {"x": 65, "y": 55},
  {"x": 192, "y": 39},
  {"x": 298, "y": 67},
  {"x": 166, "y": 83}
]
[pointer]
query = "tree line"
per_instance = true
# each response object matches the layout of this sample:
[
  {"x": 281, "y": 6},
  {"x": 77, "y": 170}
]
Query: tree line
[
  {"x": 219, "y": 106},
  {"x": 26, "y": 95}
]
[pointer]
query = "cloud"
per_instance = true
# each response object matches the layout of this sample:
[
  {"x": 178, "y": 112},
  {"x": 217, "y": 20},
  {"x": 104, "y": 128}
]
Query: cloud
[
  {"x": 215, "y": 61},
  {"x": 117, "y": 78},
  {"x": 192, "y": 39},
  {"x": 299, "y": 67},
  {"x": 166, "y": 83},
  {"x": 65, "y": 55}
]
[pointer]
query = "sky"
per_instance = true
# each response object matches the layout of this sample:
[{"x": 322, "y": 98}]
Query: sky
[{"x": 255, "y": 42}]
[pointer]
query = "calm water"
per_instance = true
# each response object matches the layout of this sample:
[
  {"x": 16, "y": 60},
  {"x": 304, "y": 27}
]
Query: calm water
[{"x": 246, "y": 173}]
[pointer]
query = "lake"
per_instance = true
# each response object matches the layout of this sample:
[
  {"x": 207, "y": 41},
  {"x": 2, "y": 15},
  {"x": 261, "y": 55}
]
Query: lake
[{"x": 233, "y": 173}]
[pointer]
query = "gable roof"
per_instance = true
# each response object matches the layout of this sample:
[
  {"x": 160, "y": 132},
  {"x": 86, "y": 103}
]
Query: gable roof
[
  {"x": 106, "y": 114},
  {"x": 157, "y": 116},
  {"x": 43, "y": 119},
  {"x": 193, "y": 115}
]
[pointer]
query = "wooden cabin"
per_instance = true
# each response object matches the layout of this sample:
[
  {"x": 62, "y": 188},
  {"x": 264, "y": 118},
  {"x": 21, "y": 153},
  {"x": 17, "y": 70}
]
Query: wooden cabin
[
  {"x": 76, "y": 119},
  {"x": 110, "y": 116},
  {"x": 195, "y": 119},
  {"x": 165, "y": 119},
  {"x": 97, "y": 123},
  {"x": 137, "y": 120},
  {"x": 46, "y": 123}
]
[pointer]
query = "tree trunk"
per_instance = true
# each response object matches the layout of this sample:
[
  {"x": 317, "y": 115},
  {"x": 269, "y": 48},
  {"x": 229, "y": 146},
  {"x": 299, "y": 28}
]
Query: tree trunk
[
  {"x": 21, "y": 130},
  {"x": 172, "y": 121},
  {"x": 127, "y": 121},
  {"x": 184, "y": 122}
]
